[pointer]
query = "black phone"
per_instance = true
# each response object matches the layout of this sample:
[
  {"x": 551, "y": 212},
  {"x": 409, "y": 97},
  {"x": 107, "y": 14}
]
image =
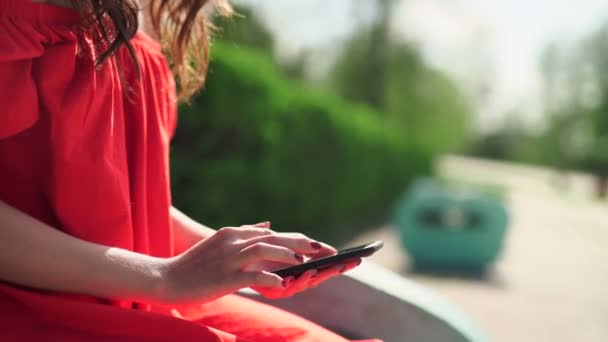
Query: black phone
[{"x": 322, "y": 263}]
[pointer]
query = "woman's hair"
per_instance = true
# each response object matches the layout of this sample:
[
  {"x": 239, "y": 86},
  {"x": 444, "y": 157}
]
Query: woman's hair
[{"x": 181, "y": 25}]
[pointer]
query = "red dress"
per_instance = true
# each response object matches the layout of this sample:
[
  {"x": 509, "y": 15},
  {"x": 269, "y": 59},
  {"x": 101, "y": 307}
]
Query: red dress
[{"x": 88, "y": 154}]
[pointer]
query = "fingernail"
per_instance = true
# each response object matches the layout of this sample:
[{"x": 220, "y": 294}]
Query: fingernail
[
  {"x": 343, "y": 269},
  {"x": 359, "y": 262},
  {"x": 316, "y": 245},
  {"x": 299, "y": 257},
  {"x": 314, "y": 274}
]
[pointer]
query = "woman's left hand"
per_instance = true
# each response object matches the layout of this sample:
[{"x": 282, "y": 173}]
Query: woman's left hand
[{"x": 308, "y": 279}]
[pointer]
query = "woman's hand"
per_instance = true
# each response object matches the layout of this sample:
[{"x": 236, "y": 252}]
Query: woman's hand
[
  {"x": 311, "y": 278},
  {"x": 308, "y": 279},
  {"x": 229, "y": 260}
]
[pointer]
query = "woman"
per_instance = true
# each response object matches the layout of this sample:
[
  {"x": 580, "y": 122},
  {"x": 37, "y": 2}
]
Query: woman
[{"x": 90, "y": 246}]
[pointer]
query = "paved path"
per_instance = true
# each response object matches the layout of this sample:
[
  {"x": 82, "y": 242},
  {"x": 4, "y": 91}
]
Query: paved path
[{"x": 551, "y": 283}]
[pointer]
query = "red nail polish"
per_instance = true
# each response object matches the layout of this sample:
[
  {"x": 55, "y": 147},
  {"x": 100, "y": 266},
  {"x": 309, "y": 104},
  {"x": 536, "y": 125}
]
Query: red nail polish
[
  {"x": 299, "y": 257},
  {"x": 285, "y": 283},
  {"x": 343, "y": 268},
  {"x": 359, "y": 262},
  {"x": 316, "y": 245}
]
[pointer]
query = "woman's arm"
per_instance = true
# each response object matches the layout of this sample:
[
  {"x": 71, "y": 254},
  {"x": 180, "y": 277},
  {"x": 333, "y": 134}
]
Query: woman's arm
[
  {"x": 36, "y": 255},
  {"x": 186, "y": 231}
]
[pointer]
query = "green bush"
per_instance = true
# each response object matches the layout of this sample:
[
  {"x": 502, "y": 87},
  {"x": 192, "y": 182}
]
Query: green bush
[{"x": 254, "y": 146}]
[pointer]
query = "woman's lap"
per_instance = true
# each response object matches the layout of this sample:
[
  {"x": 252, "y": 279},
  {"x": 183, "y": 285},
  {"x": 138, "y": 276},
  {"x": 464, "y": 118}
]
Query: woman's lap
[
  {"x": 27, "y": 315},
  {"x": 258, "y": 322}
]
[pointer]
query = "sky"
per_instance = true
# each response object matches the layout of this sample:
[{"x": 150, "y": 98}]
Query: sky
[{"x": 496, "y": 41}]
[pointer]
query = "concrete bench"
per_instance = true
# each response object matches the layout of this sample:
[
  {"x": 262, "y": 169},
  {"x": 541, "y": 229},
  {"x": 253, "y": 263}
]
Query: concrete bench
[{"x": 371, "y": 301}]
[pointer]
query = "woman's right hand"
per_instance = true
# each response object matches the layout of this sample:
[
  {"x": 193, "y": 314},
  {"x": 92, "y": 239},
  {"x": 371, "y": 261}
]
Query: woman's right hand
[{"x": 217, "y": 266}]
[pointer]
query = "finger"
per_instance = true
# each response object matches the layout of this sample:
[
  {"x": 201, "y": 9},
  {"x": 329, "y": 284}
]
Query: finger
[
  {"x": 244, "y": 232},
  {"x": 324, "y": 251},
  {"x": 300, "y": 244},
  {"x": 266, "y": 252},
  {"x": 273, "y": 292},
  {"x": 301, "y": 283},
  {"x": 261, "y": 279},
  {"x": 335, "y": 271},
  {"x": 327, "y": 274},
  {"x": 352, "y": 264},
  {"x": 287, "y": 282},
  {"x": 263, "y": 225}
]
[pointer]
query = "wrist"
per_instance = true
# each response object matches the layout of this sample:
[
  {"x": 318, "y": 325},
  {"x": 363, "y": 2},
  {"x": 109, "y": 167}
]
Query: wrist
[
  {"x": 146, "y": 282},
  {"x": 158, "y": 286}
]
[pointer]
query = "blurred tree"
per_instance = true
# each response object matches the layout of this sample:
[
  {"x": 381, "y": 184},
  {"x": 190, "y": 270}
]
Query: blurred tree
[
  {"x": 391, "y": 76},
  {"x": 594, "y": 99},
  {"x": 361, "y": 71},
  {"x": 256, "y": 146},
  {"x": 245, "y": 29},
  {"x": 502, "y": 144},
  {"x": 296, "y": 68},
  {"x": 576, "y": 102}
]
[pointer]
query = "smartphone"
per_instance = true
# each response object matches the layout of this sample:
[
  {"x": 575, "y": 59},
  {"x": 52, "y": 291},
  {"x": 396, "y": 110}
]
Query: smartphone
[{"x": 341, "y": 257}]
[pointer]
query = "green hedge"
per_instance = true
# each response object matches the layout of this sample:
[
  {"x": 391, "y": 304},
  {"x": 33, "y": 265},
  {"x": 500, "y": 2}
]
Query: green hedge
[{"x": 254, "y": 146}]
